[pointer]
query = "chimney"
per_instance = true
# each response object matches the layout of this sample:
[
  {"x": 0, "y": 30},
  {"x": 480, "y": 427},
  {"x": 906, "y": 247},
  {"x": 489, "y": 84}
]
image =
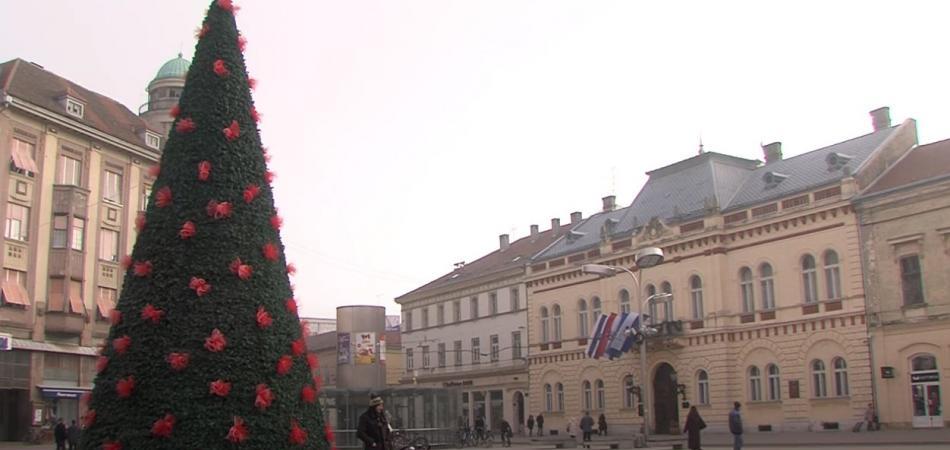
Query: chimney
[
  {"x": 576, "y": 217},
  {"x": 881, "y": 118},
  {"x": 556, "y": 226},
  {"x": 503, "y": 242},
  {"x": 773, "y": 152},
  {"x": 610, "y": 203},
  {"x": 534, "y": 232}
]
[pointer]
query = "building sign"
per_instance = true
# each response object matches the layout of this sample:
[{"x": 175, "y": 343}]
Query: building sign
[
  {"x": 365, "y": 348},
  {"x": 924, "y": 377},
  {"x": 457, "y": 383},
  {"x": 343, "y": 348},
  {"x": 382, "y": 348},
  {"x": 61, "y": 392},
  {"x": 887, "y": 372}
]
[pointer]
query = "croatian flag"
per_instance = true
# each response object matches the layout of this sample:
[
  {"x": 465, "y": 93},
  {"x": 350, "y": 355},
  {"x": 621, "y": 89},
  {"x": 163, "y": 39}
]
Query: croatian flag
[
  {"x": 632, "y": 339},
  {"x": 596, "y": 335},
  {"x": 625, "y": 323},
  {"x": 610, "y": 327}
]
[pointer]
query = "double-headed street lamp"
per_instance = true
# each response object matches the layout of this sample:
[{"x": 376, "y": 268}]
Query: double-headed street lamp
[{"x": 645, "y": 258}]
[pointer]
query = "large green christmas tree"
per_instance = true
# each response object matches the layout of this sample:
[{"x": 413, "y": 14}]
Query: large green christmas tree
[{"x": 206, "y": 350}]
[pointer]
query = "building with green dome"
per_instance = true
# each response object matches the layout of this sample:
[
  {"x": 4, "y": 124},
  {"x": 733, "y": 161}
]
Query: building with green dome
[{"x": 163, "y": 92}]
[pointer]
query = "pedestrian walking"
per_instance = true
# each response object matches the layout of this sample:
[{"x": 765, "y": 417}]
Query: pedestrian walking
[
  {"x": 571, "y": 428},
  {"x": 602, "y": 425},
  {"x": 530, "y": 426},
  {"x": 694, "y": 424},
  {"x": 587, "y": 425},
  {"x": 735, "y": 426},
  {"x": 59, "y": 434},
  {"x": 540, "y": 421},
  {"x": 72, "y": 435}
]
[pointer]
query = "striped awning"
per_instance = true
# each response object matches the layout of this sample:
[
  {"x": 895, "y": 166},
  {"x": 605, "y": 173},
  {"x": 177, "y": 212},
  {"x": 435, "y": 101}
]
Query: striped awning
[{"x": 26, "y": 344}]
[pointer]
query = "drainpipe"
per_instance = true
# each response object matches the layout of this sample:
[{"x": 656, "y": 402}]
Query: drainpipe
[{"x": 867, "y": 311}]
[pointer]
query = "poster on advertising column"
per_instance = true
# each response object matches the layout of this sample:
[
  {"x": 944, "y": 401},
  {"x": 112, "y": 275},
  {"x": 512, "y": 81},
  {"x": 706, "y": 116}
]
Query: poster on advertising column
[
  {"x": 343, "y": 348},
  {"x": 382, "y": 349},
  {"x": 365, "y": 348}
]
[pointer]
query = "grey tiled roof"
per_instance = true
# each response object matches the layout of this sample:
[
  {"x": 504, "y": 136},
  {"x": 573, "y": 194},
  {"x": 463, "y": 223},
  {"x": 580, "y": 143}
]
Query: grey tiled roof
[
  {"x": 586, "y": 234},
  {"x": 806, "y": 171}
]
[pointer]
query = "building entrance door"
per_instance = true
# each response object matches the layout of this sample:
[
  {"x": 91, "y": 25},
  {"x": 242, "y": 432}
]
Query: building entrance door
[
  {"x": 519, "y": 412},
  {"x": 925, "y": 393},
  {"x": 665, "y": 412}
]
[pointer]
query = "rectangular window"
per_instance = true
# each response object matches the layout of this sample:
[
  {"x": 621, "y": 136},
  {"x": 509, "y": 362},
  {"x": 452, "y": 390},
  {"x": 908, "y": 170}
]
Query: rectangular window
[
  {"x": 425, "y": 317},
  {"x": 69, "y": 171},
  {"x": 152, "y": 140},
  {"x": 76, "y": 303},
  {"x": 108, "y": 245},
  {"x": 473, "y": 307},
  {"x": 14, "y": 288},
  {"x": 22, "y": 154},
  {"x": 457, "y": 350},
  {"x": 476, "y": 351},
  {"x": 493, "y": 303},
  {"x": 495, "y": 348},
  {"x": 78, "y": 232},
  {"x": 146, "y": 194},
  {"x": 60, "y": 369},
  {"x": 912, "y": 286},
  {"x": 60, "y": 233},
  {"x": 409, "y": 363},
  {"x": 515, "y": 345},
  {"x": 440, "y": 312},
  {"x": 515, "y": 299},
  {"x": 112, "y": 186},
  {"x": 425, "y": 357},
  {"x": 74, "y": 108},
  {"x": 407, "y": 320},
  {"x": 441, "y": 354},
  {"x": 105, "y": 302},
  {"x": 457, "y": 311},
  {"x": 17, "y": 222}
]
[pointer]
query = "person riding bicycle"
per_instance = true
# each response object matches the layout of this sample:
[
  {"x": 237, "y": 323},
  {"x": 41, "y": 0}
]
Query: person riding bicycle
[
  {"x": 480, "y": 428},
  {"x": 505, "y": 429}
]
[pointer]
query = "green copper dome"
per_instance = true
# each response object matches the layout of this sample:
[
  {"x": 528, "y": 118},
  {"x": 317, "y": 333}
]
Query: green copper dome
[{"x": 175, "y": 68}]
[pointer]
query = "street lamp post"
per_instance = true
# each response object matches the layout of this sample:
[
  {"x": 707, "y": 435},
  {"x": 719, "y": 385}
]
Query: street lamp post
[{"x": 645, "y": 258}]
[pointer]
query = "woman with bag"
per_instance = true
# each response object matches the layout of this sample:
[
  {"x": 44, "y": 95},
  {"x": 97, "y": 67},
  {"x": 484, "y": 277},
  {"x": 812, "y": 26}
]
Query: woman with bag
[{"x": 694, "y": 424}]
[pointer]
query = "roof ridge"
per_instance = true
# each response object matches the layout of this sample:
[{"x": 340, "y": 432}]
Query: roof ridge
[{"x": 890, "y": 128}]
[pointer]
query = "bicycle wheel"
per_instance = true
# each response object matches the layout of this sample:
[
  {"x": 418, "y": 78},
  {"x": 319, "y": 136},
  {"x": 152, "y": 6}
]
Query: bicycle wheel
[{"x": 420, "y": 443}]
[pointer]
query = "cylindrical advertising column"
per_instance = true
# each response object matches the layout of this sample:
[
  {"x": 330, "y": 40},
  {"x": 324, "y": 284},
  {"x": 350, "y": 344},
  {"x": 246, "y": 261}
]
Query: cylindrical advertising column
[{"x": 361, "y": 347}]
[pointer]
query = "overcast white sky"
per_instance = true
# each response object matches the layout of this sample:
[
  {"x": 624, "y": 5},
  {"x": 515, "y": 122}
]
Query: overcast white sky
[{"x": 408, "y": 134}]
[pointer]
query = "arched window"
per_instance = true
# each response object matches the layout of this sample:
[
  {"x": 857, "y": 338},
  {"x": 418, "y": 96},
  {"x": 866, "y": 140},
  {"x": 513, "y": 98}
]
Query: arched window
[
  {"x": 702, "y": 387},
  {"x": 595, "y": 310},
  {"x": 818, "y": 380},
  {"x": 745, "y": 287},
  {"x": 832, "y": 275},
  {"x": 768, "y": 286},
  {"x": 559, "y": 388},
  {"x": 582, "y": 322},
  {"x": 624, "y": 301},
  {"x": 841, "y": 376},
  {"x": 629, "y": 399},
  {"x": 587, "y": 395},
  {"x": 666, "y": 288},
  {"x": 755, "y": 384},
  {"x": 809, "y": 279},
  {"x": 696, "y": 296},
  {"x": 651, "y": 291},
  {"x": 556, "y": 316},
  {"x": 775, "y": 383},
  {"x": 923, "y": 362},
  {"x": 545, "y": 326},
  {"x": 548, "y": 398},
  {"x": 599, "y": 393}
]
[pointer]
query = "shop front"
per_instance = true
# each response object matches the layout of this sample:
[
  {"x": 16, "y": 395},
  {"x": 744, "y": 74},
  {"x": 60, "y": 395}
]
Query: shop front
[{"x": 925, "y": 392}]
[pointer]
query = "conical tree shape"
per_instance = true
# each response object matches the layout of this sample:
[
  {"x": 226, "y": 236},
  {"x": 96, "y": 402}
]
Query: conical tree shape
[{"x": 206, "y": 350}]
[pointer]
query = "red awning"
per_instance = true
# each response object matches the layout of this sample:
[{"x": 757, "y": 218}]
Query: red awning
[
  {"x": 15, "y": 294},
  {"x": 75, "y": 298},
  {"x": 22, "y": 159}
]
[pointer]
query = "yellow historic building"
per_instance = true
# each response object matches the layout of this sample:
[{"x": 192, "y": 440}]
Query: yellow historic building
[
  {"x": 905, "y": 226},
  {"x": 767, "y": 308}
]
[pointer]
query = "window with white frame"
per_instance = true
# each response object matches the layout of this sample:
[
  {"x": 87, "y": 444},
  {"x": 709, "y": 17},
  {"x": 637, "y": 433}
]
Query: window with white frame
[
  {"x": 667, "y": 288},
  {"x": 441, "y": 354},
  {"x": 775, "y": 383},
  {"x": 629, "y": 397},
  {"x": 587, "y": 394},
  {"x": 599, "y": 394},
  {"x": 515, "y": 298},
  {"x": 582, "y": 319},
  {"x": 60, "y": 231},
  {"x": 746, "y": 289},
  {"x": 473, "y": 307},
  {"x": 515, "y": 345},
  {"x": 146, "y": 194},
  {"x": 78, "y": 233},
  {"x": 22, "y": 157},
  {"x": 841, "y": 376},
  {"x": 818, "y": 380},
  {"x": 425, "y": 357},
  {"x": 476, "y": 350},
  {"x": 596, "y": 310},
  {"x": 702, "y": 387},
  {"x": 696, "y": 296},
  {"x": 912, "y": 283},
  {"x": 548, "y": 398},
  {"x": 425, "y": 317},
  {"x": 755, "y": 384},
  {"x": 108, "y": 245},
  {"x": 69, "y": 171},
  {"x": 457, "y": 311},
  {"x": 457, "y": 350},
  {"x": 409, "y": 362},
  {"x": 495, "y": 347},
  {"x": 624, "y": 301},
  {"x": 559, "y": 391},
  {"x": 767, "y": 283},
  {"x": 651, "y": 292},
  {"x": 153, "y": 140},
  {"x": 407, "y": 320},
  {"x": 556, "y": 321},
  {"x": 440, "y": 314},
  {"x": 493, "y": 303},
  {"x": 112, "y": 186},
  {"x": 18, "y": 222},
  {"x": 832, "y": 275},
  {"x": 75, "y": 108},
  {"x": 809, "y": 279},
  {"x": 545, "y": 325}
]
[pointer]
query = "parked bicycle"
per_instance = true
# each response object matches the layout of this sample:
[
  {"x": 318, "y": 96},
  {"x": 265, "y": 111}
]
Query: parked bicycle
[{"x": 400, "y": 440}]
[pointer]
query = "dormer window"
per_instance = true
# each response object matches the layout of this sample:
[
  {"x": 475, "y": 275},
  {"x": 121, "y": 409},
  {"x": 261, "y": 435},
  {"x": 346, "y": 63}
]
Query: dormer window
[
  {"x": 153, "y": 140},
  {"x": 837, "y": 160},
  {"x": 773, "y": 179},
  {"x": 74, "y": 107}
]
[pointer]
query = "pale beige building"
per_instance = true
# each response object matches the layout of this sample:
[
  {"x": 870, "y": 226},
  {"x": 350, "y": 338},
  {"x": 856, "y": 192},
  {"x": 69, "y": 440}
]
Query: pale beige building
[
  {"x": 77, "y": 179},
  {"x": 763, "y": 264},
  {"x": 905, "y": 226}
]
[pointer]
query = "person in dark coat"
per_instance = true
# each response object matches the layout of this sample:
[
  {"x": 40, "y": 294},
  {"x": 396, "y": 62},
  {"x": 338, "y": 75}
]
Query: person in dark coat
[
  {"x": 530, "y": 426},
  {"x": 540, "y": 421},
  {"x": 373, "y": 428},
  {"x": 735, "y": 426},
  {"x": 602, "y": 425},
  {"x": 694, "y": 424},
  {"x": 72, "y": 435},
  {"x": 59, "y": 433},
  {"x": 587, "y": 426}
]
